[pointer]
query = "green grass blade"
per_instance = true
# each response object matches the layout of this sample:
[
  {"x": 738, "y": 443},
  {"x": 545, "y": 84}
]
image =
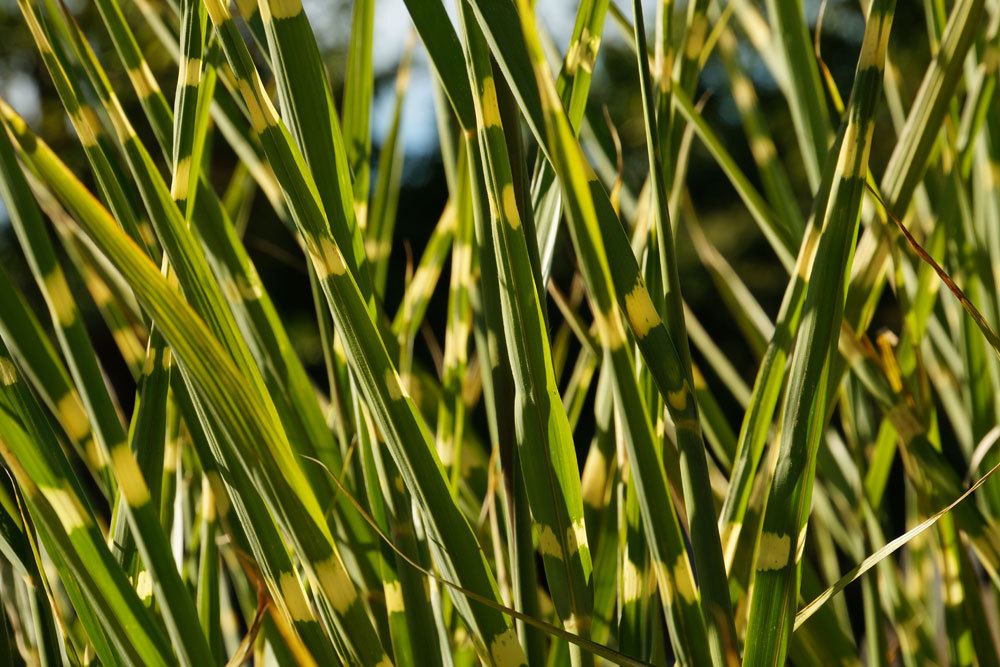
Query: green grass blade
[
  {"x": 545, "y": 442},
  {"x": 774, "y": 595},
  {"x": 306, "y": 106},
  {"x": 142, "y": 513},
  {"x": 56, "y": 505},
  {"x": 804, "y": 91},
  {"x": 358, "y": 89},
  {"x": 378, "y": 379},
  {"x": 29, "y": 345},
  {"x": 701, "y": 511}
]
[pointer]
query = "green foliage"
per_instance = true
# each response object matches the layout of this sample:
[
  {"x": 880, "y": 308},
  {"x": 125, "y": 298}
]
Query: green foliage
[{"x": 420, "y": 511}]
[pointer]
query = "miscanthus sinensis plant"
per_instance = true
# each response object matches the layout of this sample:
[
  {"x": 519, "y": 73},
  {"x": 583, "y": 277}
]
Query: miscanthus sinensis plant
[{"x": 560, "y": 485}]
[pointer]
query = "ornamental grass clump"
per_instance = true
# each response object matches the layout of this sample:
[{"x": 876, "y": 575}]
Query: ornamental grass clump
[{"x": 520, "y": 444}]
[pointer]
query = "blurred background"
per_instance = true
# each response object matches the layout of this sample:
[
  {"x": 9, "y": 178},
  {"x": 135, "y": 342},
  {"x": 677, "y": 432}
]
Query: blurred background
[{"x": 714, "y": 204}]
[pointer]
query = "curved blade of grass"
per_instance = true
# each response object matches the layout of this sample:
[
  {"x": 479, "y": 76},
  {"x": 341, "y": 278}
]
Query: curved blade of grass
[
  {"x": 890, "y": 548},
  {"x": 268, "y": 547},
  {"x": 72, "y": 336},
  {"x": 113, "y": 299},
  {"x": 284, "y": 375},
  {"x": 188, "y": 259}
]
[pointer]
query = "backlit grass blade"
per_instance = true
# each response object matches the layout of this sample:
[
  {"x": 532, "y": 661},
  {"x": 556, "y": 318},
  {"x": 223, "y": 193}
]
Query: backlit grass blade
[
  {"x": 186, "y": 160},
  {"x": 804, "y": 91},
  {"x": 419, "y": 290},
  {"x": 637, "y": 631},
  {"x": 545, "y": 442},
  {"x": 385, "y": 197},
  {"x": 306, "y": 105},
  {"x": 234, "y": 511},
  {"x": 357, "y": 105},
  {"x": 651, "y": 334},
  {"x": 140, "y": 76},
  {"x": 147, "y": 437},
  {"x": 408, "y": 606},
  {"x": 244, "y": 416},
  {"x": 29, "y": 345},
  {"x": 112, "y": 297},
  {"x": 498, "y": 22},
  {"x": 716, "y": 358},
  {"x": 48, "y": 640},
  {"x": 189, "y": 261},
  {"x": 393, "y": 411},
  {"x": 306, "y": 115},
  {"x": 671, "y": 565},
  {"x": 68, "y": 526},
  {"x": 573, "y": 84},
  {"x": 147, "y": 430},
  {"x": 241, "y": 287},
  {"x": 458, "y": 330},
  {"x": 694, "y": 469},
  {"x": 774, "y": 595},
  {"x": 34, "y": 238},
  {"x": 143, "y": 514}
]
